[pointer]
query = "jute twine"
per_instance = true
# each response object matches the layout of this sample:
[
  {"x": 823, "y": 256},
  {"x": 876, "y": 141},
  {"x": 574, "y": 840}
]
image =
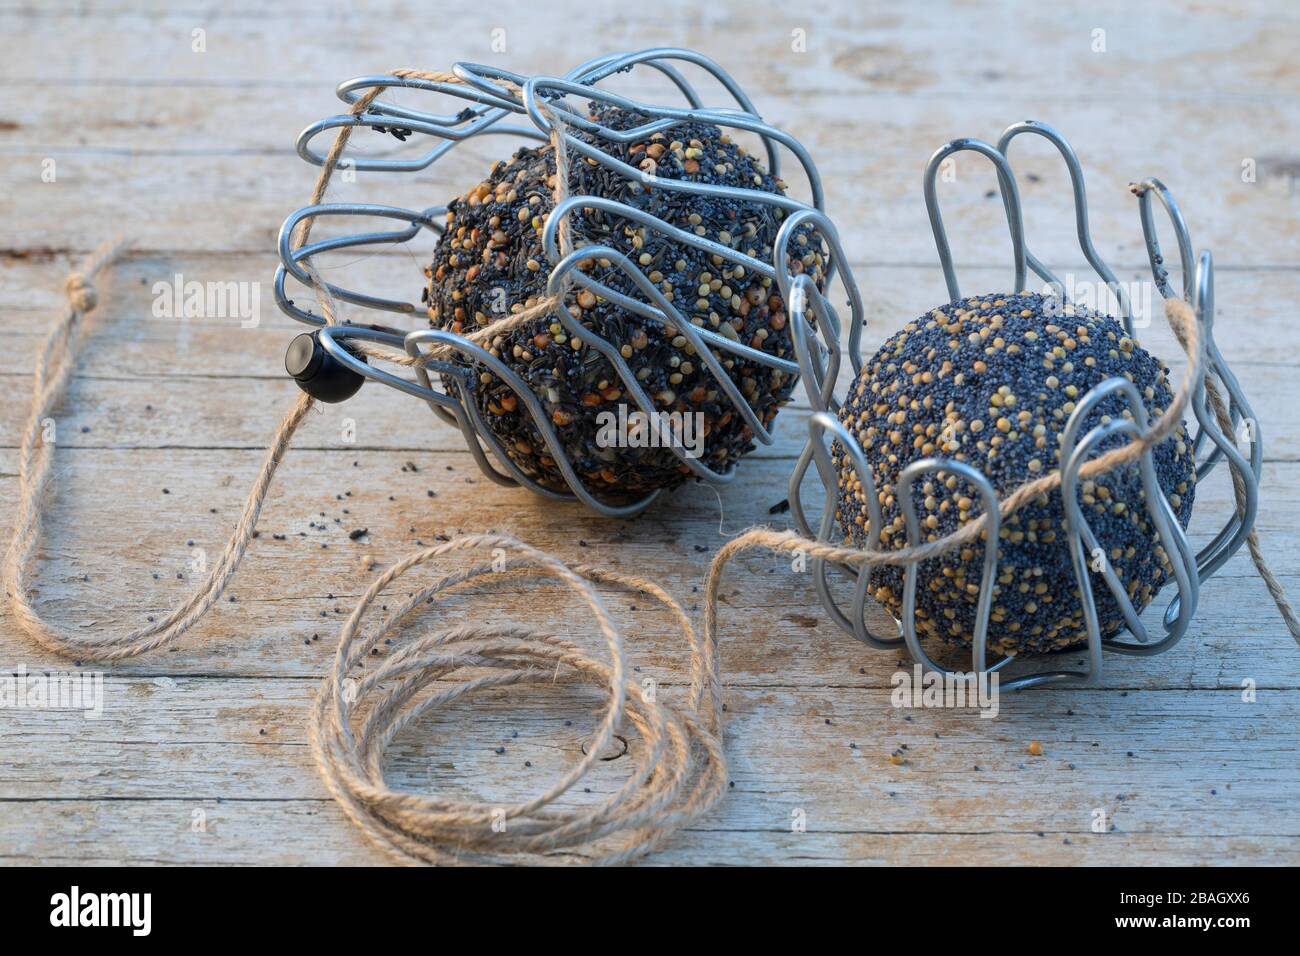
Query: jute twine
[{"x": 679, "y": 768}]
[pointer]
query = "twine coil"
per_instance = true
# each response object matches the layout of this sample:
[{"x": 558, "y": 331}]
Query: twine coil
[{"x": 678, "y": 768}]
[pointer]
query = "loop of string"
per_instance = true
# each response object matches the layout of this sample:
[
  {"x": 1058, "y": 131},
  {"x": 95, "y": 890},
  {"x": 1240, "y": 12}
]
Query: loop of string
[
  {"x": 54, "y": 366},
  {"x": 678, "y": 767}
]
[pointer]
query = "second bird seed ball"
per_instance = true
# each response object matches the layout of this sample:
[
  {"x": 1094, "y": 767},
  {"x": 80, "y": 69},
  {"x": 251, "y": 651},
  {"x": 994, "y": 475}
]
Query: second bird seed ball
[
  {"x": 991, "y": 381},
  {"x": 491, "y": 261}
]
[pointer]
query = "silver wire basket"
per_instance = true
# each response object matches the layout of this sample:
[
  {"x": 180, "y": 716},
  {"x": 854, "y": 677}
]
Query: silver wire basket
[
  {"x": 491, "y": 96},
  {"x": 818, "y": 350}
]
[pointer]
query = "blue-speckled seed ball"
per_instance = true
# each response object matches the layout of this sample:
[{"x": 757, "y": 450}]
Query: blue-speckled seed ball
[{"x": 991, "y": 381}]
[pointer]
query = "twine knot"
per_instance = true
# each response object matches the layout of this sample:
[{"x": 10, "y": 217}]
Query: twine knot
[{"x": 81, "y": 292}]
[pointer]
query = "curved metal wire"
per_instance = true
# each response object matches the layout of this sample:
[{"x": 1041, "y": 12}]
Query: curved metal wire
[
  {"x": 491, "y": 97},
  {"x": 816, "y": 334}
]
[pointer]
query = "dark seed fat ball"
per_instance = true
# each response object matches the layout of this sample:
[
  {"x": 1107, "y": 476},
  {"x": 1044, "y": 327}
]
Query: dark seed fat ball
[
  {"x": 490, "y": 261},
  {"x": 992, "y": 381}
]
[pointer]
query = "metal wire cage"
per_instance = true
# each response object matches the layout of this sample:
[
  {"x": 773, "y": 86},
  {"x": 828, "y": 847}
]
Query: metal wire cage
[
  {"x": 817, "y": 331},
  {"x": 491, "y": 96}
]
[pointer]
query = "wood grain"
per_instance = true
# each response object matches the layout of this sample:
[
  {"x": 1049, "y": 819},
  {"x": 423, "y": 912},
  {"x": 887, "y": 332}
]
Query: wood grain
[{"x": 192, "y": 154}]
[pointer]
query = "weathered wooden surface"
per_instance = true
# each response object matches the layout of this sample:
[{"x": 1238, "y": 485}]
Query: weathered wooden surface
[{"x": 191, "y": 154}]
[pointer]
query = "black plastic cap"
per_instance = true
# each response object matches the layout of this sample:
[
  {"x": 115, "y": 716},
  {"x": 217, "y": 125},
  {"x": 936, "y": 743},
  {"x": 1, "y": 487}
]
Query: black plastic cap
[{"x": 318, "y": 373}]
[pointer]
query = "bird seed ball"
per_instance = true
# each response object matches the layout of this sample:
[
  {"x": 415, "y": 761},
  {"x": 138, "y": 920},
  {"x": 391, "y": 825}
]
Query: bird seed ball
[
  {"x": 490, "y": 261},
  {"x": 991, "y": 381}
]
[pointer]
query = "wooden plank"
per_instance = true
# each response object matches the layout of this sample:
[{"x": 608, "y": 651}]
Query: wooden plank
[
  {"x": 202, "y": 412},
  {"x": 1236, "y": 50},
  {"x": 1252, "y": 326},
  {"x": 98, "y": 832},
  {"x": 825, "y": 751},
  {"x": 292, "y": 589},
  {"x": 235, "y": 202}
]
